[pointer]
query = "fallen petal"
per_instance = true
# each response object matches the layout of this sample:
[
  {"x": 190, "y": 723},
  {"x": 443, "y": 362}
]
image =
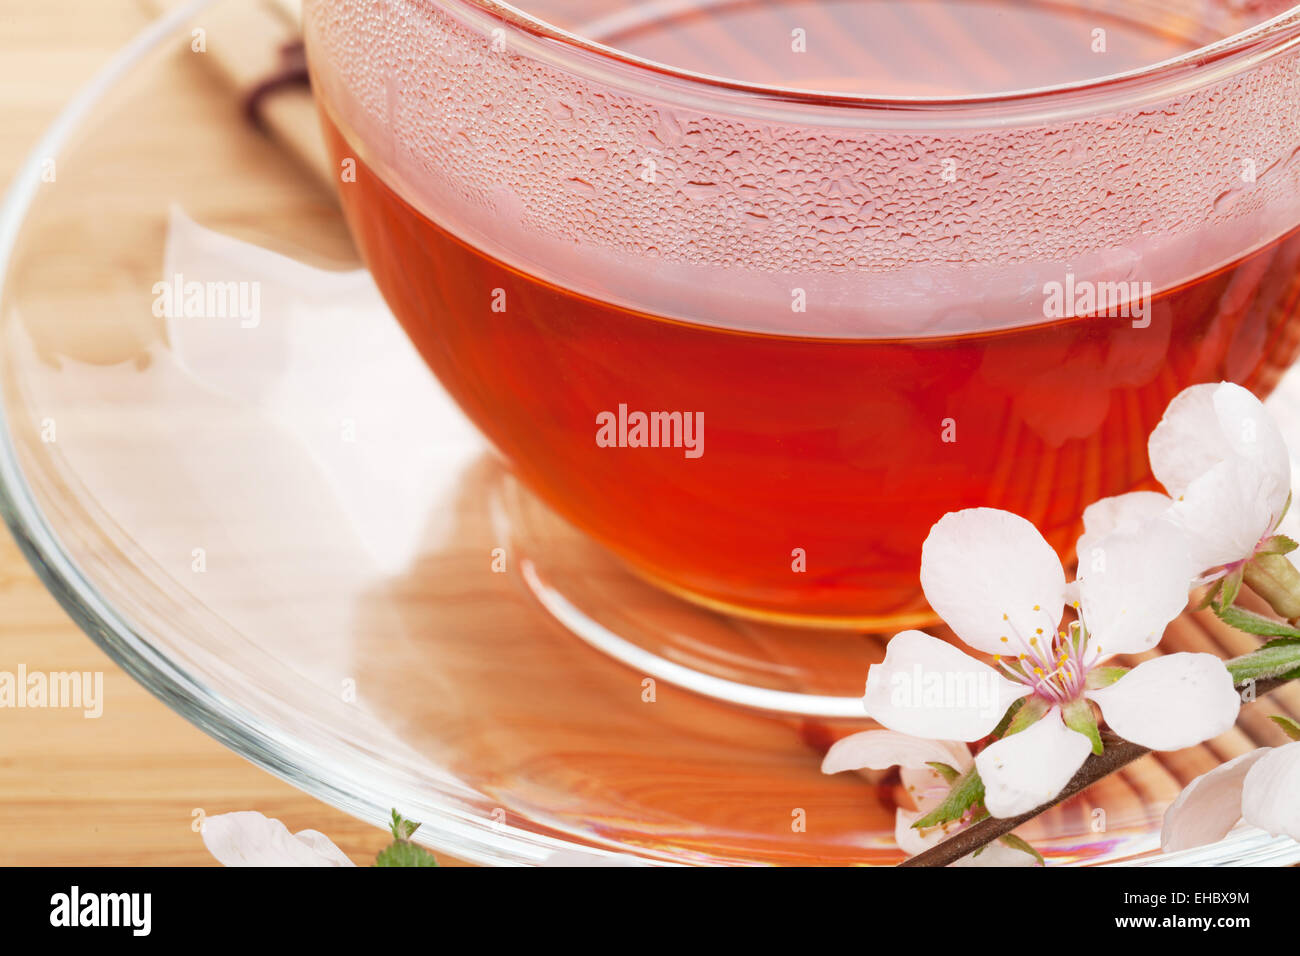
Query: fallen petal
[{"x": 247, "y": 838}]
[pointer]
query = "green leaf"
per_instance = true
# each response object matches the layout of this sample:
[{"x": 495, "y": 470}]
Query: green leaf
[
  {"x": 1000, "y": 730},
  {"x": 1253, "y": 623},
  {"x": 1280, "y": 642},
  {"x": 1231, "y": 588},
  {"x": 948, "y": 773},
  {"x": 1211, "y": 593},
  {"x": 1279, "y": 544},
  {"x": 965, "y": 793},
  {"x": 1278, "y": 659},
  {"x": 401, "y": 828},
  {"x": 1079, "y": 718},
  {"x": 401, "y": 853},
  {"x": 1100, "y": 677},
  {"x": 1033, "y": 710},
  {"x": 1289, "y": 726},
  {"x": 1016, "y": 843}
]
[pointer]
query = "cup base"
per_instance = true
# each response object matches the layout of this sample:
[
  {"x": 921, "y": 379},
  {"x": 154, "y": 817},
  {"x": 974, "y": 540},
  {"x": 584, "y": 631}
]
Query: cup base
[
  {"x": 879, "y": 623},
  {"x": 774, "y": 663}
]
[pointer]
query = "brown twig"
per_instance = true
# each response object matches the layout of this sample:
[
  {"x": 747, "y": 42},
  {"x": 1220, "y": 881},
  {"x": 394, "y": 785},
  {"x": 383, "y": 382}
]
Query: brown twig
[
  {"x": 1118, "y": 753},
  {"x": 292, "y": 71}
]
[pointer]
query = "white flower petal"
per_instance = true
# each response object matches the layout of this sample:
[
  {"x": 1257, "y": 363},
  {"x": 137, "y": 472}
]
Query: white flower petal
[
  {"x": 928, "y": 688},
  {"x": 912, "y": 841},
  {"x": 1225, "y": 512},
  {"x": 1132, "y": 584},
  {"x": 981, "y": 564},
  {"x": 1253, "y": 435},
  {"x": 926, "y": 788},
  {"x": 925, "y": 785},
  {"x": 1171, "y": 702},
  {"x": 1025, "y": 770},
  {"x": 248, "y": 838},
  {"x": 1188, "y": 441},
  {"x": 1208, "y": 807},
  {"x": 1119, "y": 513},
  {"x": 1270, "y": 796},
  {"x": 881, "y": 749},
  {"x": 1208, "y": 424}
]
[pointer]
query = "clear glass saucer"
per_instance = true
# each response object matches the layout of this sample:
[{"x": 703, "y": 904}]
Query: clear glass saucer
[{"x": 422, "y": 635}]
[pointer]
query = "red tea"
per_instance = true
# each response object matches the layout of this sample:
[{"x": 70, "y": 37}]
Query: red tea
[
  {"x": 693, "y": 425},
  {"x": 832, "y": 454}
]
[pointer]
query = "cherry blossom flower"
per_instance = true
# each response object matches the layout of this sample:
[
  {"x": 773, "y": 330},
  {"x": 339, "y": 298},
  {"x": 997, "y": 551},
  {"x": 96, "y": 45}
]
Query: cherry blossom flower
[
  {"x": 247, "y": 838},
  {"x": 1259, "y": 787},
  {"x": 1001, "y": 588},
  {"x": 1227, "y": 471},
  {"x": 882, "y": 749}
]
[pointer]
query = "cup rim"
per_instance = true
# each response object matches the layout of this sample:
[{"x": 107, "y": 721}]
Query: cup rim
[{"x": 1190, "y": 70}]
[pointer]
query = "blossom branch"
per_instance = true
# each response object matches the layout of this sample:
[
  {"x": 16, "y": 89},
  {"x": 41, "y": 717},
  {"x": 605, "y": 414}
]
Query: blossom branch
[{"x": 1117, "y": 754}]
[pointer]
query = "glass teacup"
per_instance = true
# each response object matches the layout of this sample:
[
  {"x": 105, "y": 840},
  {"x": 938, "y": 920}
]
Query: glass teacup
[{"x": 754, "y": 293}]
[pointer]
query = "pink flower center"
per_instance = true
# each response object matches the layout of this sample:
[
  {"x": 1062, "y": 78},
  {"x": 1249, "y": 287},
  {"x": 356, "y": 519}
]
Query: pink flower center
[{"x": 1054, "y": 663}]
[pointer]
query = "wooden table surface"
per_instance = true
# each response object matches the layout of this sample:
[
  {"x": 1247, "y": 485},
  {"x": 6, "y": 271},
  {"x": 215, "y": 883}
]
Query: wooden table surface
[{"x": 120, "y": 790}]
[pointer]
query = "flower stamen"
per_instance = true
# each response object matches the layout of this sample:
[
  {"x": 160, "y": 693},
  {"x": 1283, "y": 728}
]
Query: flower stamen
[{"x": 1055, "y": 669}]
